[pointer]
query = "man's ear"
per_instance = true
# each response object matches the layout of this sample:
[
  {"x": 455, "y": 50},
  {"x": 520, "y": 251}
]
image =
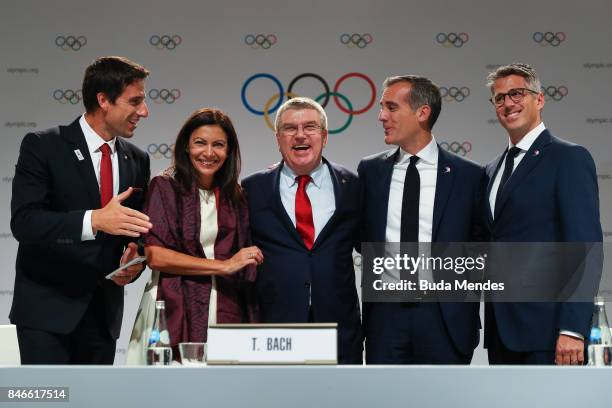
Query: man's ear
[
  {"x": 423, "y": 114},
  {"x": 103, "y": 101}
]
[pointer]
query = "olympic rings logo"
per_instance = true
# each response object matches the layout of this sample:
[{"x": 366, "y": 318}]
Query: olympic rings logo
[
  {"x": 160, "y": 151},
  {"x": 70, "y": 42},
  {"x": 168, "y": 42},
  {"x": 64, "y": 96},
  {"x": 347, "y": 107},
  {"x": 356, "y": 40},
  {"x": 456, "y": 147},
  {"x": 549, "y": 38},
  {"x": 452, "y": 39},
  {"x": 454, "y": 93},
  {"x": 555, "y": 93},
  {"x": 257, "y": 41},
  {"x": 164, "y": 95}
]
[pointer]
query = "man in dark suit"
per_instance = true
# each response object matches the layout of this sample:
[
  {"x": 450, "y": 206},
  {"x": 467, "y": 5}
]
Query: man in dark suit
[
  {"x": 76, "y": 192},
  {"x": 540, "y": 189},
  {"x": 418, "y": 192},
  {"x": 304, "y": 216}
]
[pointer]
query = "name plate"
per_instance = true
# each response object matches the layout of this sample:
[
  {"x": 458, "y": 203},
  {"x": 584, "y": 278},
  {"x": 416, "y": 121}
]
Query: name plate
[{"x": 308, "y": 343}]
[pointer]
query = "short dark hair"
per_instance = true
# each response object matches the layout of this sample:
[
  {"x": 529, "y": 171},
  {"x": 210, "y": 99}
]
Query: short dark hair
[
  {"x": 422, "y": 92},
  {"x": 109, "y": 75},
  {"x": 227, "y": 176}
]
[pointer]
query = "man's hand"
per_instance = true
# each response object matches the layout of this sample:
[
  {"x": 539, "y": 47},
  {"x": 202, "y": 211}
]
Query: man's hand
[
  {"x": 127, "y": 275},
  {"x": 569, "y": 350},
  {"x": 116, "y": 219}
]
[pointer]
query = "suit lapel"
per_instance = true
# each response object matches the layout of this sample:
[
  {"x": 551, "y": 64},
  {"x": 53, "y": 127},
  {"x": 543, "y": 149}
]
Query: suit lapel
[
  {"x": 279, "y": 208},
  {"x": 82, "y": 160},
  {"x": 339, "y": 184},
  {"x": 531, "y": 159},
  {"x": 491, "y": 172},
  {"x": 444, "y": 185},
  {"x": 381, "y": 188},
  {"x": 124, "y": 158}
]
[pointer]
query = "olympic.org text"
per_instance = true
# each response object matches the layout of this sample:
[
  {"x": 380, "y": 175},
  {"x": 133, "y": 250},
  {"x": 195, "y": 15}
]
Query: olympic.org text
[
  {"x": 598, "y": 121},
  {"x": 22, "y": 70}
]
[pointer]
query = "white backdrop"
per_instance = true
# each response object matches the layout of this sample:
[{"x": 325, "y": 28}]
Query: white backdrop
[{"x": 202, "y": 53}]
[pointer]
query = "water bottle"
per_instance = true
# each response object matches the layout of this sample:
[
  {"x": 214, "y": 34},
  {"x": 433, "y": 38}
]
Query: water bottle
[
  {"x": 600, "y": 339},
  {"x": 159, "y": 351}
]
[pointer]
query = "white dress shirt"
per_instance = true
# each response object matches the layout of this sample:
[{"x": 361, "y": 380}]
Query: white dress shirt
[
  {"x": 427, "y": 167},
  {"x": 94, "y": 142},
  {"x": 320, "y": 192},
  {"x": 524, "y": 144}
]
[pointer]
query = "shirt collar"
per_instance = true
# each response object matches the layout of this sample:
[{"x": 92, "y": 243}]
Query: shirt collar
[
  {"x": 93, "y": 139},
  {"x": 428, "y": 154},
  {"x": 316, "y": 175},
  {"x": 525, "y": 143}
]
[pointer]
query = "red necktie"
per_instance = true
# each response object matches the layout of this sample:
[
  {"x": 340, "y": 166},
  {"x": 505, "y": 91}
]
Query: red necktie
[
  {"x": 106, "y": 175},
  {"x": 303, "y": 212}
]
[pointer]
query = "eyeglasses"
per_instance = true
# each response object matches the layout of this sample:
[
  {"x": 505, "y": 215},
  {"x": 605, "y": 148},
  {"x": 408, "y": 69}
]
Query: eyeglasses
[
  {"x": 309, "y": 129},
  {"x": 516, "y": 95}
]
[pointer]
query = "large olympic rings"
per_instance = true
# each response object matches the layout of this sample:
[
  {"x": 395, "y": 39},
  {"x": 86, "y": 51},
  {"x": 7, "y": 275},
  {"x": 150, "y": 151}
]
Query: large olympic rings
[
  {"x": 356, "y": 40},
  {"x": 323, "y": 98},
  {"x": 452, "y": 39},
  {"x": 70, "y": 42},
  {"x": 549, "y": 38},
  {"x": 166, "y": 41},
  {"x": 164, "y": 95},
  {"x": 555, "y": 93},
  {"x": 256, "y": 41},
  {"x": 67, "y": 96},
  {"x": 457, "y": 147},
  {"x": 454, "y": 93}
]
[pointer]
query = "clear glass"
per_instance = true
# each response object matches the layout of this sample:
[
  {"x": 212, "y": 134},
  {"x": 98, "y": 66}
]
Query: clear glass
[
  {"x": 193, "y": 354},
  {"x": 516, "y": 95}
]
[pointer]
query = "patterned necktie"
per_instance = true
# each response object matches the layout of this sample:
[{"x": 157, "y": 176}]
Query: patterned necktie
[
  {"x": 106, "y": 175},
  {"x": 303, "y": 212},
  {"x": 512, "y": 153}
]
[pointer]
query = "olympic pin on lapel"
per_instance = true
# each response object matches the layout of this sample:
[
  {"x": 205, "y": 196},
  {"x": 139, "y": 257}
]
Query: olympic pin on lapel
[
  {"x": 79, "y": 155},
  {"x": 536, "y": 153},
  {"x": 447, "y": 170}
]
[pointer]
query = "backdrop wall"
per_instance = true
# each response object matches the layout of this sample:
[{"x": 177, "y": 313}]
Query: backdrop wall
[{"x": 241, "y": 56}]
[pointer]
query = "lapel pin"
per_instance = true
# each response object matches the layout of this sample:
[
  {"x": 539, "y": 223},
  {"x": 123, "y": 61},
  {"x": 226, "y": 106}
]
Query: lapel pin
[
  {"x": 536, "y": 153},
  {"x": 447, "y": 169},
  {"x": 79, "y": 155},
  {"x": 125, "y": 156},
  {"x": 343, "y": 181}
]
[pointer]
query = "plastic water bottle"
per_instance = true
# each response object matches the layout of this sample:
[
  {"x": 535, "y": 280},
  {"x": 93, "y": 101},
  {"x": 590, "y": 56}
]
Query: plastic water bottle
[
  {"x": 159, "y": 351},
  {"x": 600, "y": 339}
]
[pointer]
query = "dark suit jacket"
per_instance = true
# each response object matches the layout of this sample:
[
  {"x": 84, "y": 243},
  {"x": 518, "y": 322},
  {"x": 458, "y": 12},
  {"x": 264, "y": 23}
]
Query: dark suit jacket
[
  {"x": 291, "y": 274},
  {"x": 456, "y": 218},
  {"x": 56, "y": 272},
  {"x": 552, "y": 196}
]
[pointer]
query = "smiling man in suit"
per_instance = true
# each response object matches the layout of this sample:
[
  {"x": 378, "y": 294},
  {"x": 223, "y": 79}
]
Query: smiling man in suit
[
  {"x": 541, "y": 189},
  {"x": 76, "y": 192},
  {"x": 304, "y": 216},
  {"x": 418, "y": 192}
]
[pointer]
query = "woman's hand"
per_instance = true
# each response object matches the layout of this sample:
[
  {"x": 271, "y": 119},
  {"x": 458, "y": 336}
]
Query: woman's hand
[{"x": 246, "y": 256}]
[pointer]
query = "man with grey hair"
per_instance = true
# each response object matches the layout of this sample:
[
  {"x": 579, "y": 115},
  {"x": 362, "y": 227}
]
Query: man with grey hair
[
  {"x": 304, "y": 215},
  {"x": 563, "y": 178},
  {"x": 418, "y": 192}
]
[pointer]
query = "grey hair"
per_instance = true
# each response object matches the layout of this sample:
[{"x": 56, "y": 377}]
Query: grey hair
[
  {"x": 516, "y": 68},
  {"x": 301, "y": 102}
]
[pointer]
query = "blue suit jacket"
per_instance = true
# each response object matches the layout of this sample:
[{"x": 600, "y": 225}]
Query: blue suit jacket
[
  {"x": 456, "y": 218},
  {"x": 552, "y": 196},
  {"x": 291, "y": 275}
]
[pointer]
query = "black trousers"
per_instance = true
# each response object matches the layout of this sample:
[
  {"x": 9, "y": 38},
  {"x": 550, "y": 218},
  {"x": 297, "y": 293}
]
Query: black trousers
[
  {"x": 89, "y": 343},
  {"x": 409, "y": 333}
]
